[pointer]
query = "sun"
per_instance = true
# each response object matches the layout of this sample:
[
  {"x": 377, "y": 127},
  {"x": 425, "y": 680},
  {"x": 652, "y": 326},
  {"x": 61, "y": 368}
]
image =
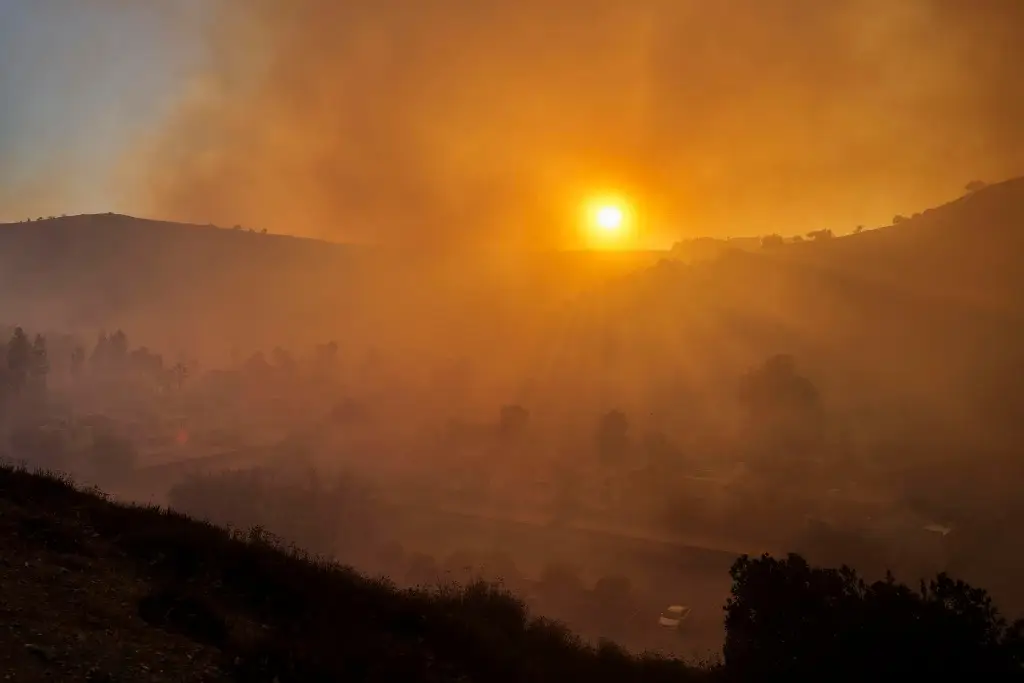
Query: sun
[
  {"x": 608, "y": 222},
  {"x": 609, "y": 218}
]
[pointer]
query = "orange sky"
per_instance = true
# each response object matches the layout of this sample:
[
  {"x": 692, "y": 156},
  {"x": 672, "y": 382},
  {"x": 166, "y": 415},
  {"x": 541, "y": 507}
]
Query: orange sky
[{"x": 459, "y": 121}]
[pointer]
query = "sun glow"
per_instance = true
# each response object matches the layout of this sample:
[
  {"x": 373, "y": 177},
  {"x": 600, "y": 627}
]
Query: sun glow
[
  {"x": 609, "y": 218},
  {"x": 608, "y": 223}
]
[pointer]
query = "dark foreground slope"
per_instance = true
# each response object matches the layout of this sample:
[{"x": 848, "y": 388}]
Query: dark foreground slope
[{"x": 92, "y": 590}]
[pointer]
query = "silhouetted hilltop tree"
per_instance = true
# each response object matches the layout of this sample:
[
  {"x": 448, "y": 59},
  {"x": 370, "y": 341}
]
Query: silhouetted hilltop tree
[
  {"x": 787, "y": 620},
  {"x": 975, "y": 185},
  {"x": 772, "y": 241},
  {"x": 819, "y": 235}
]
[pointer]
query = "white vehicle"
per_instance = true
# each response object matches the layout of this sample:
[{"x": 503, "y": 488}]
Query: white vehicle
[{"x": 674, "y": 616}]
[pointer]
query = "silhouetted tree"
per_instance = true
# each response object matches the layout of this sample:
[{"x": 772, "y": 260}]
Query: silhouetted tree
[
  {"x": 19, "y": 359},
  {"x": 819, "y": 235},
  {"x": 858, "y": 230},
  {"x": 898, "y": 218},
  {"x": 772, "y": 241},
  {"x": 975, "y": 185},
  {"x": 787, "y": 620}
]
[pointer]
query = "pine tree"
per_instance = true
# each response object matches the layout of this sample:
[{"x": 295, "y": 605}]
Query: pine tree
[{"x": 19, "y": 359}]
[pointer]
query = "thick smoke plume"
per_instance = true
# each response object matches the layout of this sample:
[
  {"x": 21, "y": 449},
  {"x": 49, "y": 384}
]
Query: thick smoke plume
[{"x": 465, "y": 122}]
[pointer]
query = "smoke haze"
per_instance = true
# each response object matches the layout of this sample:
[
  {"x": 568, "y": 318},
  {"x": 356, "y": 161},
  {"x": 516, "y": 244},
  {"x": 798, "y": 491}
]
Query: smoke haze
[
  {"x": 605, "y": 430},
  {"x": 459, "y": 122}
]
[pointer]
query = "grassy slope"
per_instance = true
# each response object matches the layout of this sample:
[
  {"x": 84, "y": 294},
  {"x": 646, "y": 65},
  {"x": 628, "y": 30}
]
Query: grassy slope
[{"x": 92, "y": 590}]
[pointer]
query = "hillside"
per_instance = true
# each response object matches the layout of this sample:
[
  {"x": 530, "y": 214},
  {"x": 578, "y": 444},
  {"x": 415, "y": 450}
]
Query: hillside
[
  {"x": 94, "y": 591},
  {"x": 965, "y": 252},
  {"x": 925, "y": 313},
  {"x": 209, "y": 290},
  {"x": 176, "y": 284}
]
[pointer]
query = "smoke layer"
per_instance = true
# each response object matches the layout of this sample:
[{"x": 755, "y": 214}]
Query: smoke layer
[{"x": 458, "y": 121}]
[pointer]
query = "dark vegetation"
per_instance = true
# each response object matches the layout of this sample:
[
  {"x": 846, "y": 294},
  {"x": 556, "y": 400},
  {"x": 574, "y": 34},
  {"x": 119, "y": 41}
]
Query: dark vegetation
[
  {"x": 275, "y": 612},
  {"x": 278, "y": 613}
]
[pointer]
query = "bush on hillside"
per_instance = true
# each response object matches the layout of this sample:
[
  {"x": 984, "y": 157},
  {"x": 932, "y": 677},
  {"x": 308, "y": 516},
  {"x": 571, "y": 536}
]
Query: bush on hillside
[{"x": 788, "y": 619}]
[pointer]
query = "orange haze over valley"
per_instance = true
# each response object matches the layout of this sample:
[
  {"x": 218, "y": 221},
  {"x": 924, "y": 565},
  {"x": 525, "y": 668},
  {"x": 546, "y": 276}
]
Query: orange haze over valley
[{"x": 599, "y": 300}]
